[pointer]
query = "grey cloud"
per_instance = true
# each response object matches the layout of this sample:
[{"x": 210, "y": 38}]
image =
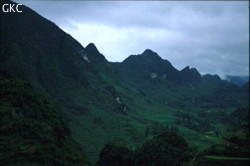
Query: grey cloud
[{"x": 209, "y": 35}]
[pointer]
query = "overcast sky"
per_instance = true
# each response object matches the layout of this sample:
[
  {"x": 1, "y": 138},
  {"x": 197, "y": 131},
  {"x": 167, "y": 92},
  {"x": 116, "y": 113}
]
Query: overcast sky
[{"x": 211, "y": 36}]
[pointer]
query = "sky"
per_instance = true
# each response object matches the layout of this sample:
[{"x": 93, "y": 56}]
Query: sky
[{"x": 211, "y": 36}]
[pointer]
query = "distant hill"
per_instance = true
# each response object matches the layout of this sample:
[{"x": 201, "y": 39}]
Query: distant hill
[
  {"x": 150, "y": 66},
  {"x": 237, "y": 80}
]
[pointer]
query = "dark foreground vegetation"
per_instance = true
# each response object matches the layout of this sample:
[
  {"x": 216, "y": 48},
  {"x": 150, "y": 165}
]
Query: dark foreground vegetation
[
  {"x": 31, "y": 129},
  {"x": 166, "y": 149}
]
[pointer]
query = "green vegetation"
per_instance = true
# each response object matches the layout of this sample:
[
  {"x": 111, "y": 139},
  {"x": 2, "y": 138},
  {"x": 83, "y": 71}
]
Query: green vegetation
[
  {"x": 232, "y": 150},
  {"x": 116, "y": 155},
  {"x": 227, "y": 158},
  {"x": 32, "y": 131},
  {"x": 167, "y": 148}
]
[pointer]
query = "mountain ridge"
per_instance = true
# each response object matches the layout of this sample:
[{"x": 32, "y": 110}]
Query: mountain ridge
[
  {"x": 95, "y": 55},
  {"x": 157, "y": 68},
  {"x": 237, "y": 80}
]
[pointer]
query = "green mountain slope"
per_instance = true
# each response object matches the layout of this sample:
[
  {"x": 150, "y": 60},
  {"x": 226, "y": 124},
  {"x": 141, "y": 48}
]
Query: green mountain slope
[
  {"x": 32, "y": 131},
  {"x": 124, "y": 102},
  {"x": 79, "y": 81}
]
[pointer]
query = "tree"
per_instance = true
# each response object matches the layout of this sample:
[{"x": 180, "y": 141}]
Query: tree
[
  {"x": 166, "y": 149},
  {"x": 115, "y": 155}
]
